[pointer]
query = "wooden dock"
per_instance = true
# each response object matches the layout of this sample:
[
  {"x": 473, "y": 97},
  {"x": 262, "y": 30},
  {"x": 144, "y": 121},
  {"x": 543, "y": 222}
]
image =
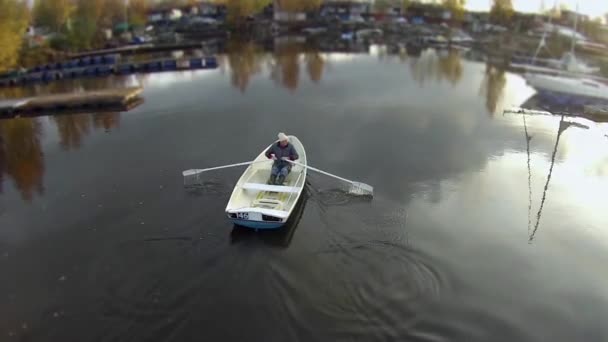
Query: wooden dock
[{"x": 117, "y": 99}]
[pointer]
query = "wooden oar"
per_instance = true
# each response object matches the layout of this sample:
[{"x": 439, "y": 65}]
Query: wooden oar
[{"x": 357, "y": 188}]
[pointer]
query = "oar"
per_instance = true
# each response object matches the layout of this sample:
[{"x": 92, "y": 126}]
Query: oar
[
  {"x": 189, "y": 174},
  {"x": 357, "y": 188}
]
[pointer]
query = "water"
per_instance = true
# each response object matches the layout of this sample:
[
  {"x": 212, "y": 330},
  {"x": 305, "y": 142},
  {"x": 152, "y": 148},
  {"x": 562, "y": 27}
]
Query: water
[{"x": 484, "y": 226}]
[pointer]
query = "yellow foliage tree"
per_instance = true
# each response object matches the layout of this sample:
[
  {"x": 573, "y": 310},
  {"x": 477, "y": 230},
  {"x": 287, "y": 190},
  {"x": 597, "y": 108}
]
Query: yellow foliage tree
[
  {"x": 502, "y": 11},
  {"x": 456, "y": 7},
  {"x": 14, "y": 17},
  {"x": 238, "y": 10},
  {"x": 137, "y": 12}
]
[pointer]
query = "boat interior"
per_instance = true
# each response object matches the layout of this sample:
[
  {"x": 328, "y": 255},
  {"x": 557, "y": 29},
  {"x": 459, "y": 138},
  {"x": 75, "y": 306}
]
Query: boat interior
[{"x": 254, "y": 192}]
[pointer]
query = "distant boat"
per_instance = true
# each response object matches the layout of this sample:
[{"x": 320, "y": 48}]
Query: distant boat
[
  {"x": 568, "y": 64},
  {"x": 583, "y": 91}
]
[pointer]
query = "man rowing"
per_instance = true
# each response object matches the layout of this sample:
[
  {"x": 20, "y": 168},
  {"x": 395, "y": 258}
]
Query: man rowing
[{"x": 282, "y": 152}]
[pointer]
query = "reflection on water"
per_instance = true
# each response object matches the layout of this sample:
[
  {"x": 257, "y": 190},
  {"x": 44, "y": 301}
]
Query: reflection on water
[
  {"x": 563, "y": 126},
  {"x": 286, "y": 65},
  {"x": 22, "y": 158},
  {"x": 21, "y": 152},
  {"x": 248, "y": 59},
  {"x": 493, "y": 87},
  {"x": 438, "y": 65},
  {"x": 245, "y": 60}
]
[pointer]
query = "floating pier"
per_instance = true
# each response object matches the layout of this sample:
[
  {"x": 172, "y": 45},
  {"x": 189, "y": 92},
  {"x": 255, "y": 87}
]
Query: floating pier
[
  {"x": 109, "y": 99},
  {"x": 104, "y": 66}
]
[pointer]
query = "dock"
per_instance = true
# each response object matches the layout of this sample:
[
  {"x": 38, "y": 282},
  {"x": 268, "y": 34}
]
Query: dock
[
  {"x": 102, "y": 66},
  {"x": 109, "y": 99}
]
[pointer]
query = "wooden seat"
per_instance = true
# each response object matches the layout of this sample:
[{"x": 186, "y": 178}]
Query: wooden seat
[{"x": 270, "y": 188}]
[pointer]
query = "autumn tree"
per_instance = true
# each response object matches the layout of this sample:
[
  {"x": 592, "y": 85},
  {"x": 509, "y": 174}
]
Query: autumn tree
[
  {"x": 456, "y": 7},
  {"x": 298, "y": 5},
  {"x": 138, "y": 12},
  {"x": 502, "y": 11},
  {"x": 14, "y": 17},
  {"x": 238, "y": 10}
]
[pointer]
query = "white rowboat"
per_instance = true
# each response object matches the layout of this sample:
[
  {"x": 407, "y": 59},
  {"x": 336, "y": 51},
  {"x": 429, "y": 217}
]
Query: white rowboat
[{"x": 255, "y": 204}]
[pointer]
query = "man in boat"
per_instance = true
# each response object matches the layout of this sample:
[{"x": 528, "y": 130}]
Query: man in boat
[{"x": 281, "y": 152}]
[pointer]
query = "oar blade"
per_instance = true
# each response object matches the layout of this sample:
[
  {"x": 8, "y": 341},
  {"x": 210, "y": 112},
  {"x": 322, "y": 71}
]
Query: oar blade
[
  {"x": 361, "y": 189},
  {"x": 192, "y": 178}
]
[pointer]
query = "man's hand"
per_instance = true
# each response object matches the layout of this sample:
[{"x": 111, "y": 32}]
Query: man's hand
[{"x": 273, "y": 157}]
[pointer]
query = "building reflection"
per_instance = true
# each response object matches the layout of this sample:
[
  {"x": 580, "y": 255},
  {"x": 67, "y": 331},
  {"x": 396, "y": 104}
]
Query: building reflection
[{"x": 21, "y": 156}]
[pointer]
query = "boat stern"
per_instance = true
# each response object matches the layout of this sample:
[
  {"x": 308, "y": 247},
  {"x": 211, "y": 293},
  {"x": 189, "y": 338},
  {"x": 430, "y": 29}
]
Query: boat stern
[{"x": 256, "y": 219}]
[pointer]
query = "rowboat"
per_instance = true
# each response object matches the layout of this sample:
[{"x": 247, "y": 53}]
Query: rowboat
[{"x": 255, "y": 204}]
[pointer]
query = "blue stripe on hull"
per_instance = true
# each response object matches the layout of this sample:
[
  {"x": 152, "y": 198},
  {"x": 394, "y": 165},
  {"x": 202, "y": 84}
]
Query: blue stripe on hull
[{"x": 258, "y": 224}]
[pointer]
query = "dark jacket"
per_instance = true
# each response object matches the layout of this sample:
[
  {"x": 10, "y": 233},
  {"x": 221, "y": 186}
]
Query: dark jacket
[{"x": 282, "y": 152}]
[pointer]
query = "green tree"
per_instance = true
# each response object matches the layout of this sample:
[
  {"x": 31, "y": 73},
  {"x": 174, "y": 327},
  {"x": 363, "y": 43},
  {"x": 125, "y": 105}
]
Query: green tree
[
  {"x": 85, "y": 23},
  {"x": 502, "y": 11},
  {"x": 54, "y": 14},
  {"x": 456, "y": 7},
  {"x": 14, "y": 17},
  {"x": 592, "y": 28},
  {"x": 114, "y": 12}
]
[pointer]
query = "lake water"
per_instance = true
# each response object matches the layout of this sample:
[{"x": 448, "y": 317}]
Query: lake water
[{"x": 484, "y": 226}]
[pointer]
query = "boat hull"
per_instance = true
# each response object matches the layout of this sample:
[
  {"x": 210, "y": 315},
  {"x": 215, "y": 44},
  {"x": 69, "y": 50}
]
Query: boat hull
[{"x": 258, "y": 224}]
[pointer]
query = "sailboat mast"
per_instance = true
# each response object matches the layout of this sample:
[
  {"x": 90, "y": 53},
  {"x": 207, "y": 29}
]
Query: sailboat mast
[{"x": 575, "y": 30}]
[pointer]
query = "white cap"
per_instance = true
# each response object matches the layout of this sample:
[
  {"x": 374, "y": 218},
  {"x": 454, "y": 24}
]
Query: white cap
[{"x": 283, "y": 137}]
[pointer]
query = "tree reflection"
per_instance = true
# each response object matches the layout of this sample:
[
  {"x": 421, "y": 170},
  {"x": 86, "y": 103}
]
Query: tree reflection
[
  {"x": 106, "y": 121},
  {"x": 493, "y": 87},
  {"x": 287, "y": 65},
  {"x": 450, "y": 67},
  {"x": 21, "y": 155},
  {"x": 245, "y": 60},
  {"x": 315, "y": 65},
  {"x": 437, "y": 65},
  {"x": 72, "y": 129}
]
